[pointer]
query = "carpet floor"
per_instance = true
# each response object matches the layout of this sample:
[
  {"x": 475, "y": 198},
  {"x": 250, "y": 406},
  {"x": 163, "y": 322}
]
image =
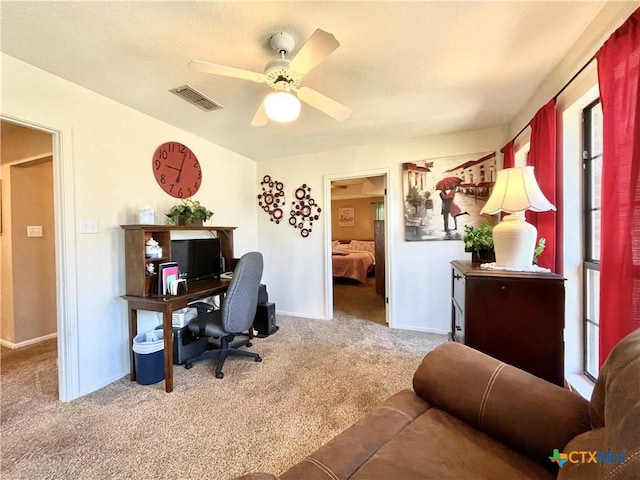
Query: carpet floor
[{"x": 316, "y": 378}]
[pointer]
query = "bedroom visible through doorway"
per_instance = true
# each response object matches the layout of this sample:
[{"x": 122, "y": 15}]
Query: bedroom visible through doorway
[{"x": 358, "y": 248}]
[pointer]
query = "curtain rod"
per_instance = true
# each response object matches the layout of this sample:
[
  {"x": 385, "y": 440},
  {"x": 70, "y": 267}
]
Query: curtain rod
[{"x": 564, "y": 87}]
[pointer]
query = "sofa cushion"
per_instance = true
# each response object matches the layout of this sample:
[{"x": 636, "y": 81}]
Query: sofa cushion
[
  {"x": 589, "y": 441},
  {"x": 344, "y": 454},
  {"x": 615, "y": 406},
  {"x": 439, "y": 446}
]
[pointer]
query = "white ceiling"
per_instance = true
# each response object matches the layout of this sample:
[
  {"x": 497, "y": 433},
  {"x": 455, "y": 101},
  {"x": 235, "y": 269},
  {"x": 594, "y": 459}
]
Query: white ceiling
[{"x": 407, "y": 69}]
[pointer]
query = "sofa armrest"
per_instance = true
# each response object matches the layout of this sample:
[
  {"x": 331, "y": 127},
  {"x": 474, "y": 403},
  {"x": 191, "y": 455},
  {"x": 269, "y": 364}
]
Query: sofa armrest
[
  {"x": 257, "y": 476},
  {"x": 525, "y": 412}
]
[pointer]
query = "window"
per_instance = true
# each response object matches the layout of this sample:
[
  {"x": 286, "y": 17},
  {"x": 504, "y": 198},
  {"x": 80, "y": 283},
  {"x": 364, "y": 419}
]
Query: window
[{"x": 592, "y": 157}]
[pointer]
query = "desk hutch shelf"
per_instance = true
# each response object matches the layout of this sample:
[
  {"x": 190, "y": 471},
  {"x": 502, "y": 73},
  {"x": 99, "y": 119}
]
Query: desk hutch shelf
[{"x": 135, "y": 237}]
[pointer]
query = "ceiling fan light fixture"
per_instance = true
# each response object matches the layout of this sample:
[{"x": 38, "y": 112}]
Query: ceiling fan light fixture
[{"x": 282, "y": 107}]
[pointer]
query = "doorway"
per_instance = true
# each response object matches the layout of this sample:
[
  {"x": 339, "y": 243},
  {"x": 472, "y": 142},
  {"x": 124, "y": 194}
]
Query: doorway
[
  {"x": 28, "y": 270},
  {"x": 58, "y": 154},
  {"x": 356, "y": 247}
]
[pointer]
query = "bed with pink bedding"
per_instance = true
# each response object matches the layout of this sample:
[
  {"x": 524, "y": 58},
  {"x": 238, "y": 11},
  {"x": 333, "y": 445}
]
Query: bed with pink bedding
[{"x": 353, "y": 260}]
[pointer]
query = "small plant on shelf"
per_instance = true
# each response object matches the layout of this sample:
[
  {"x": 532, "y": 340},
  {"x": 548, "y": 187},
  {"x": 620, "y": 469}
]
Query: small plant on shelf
[{"x": 188, "y": 212}]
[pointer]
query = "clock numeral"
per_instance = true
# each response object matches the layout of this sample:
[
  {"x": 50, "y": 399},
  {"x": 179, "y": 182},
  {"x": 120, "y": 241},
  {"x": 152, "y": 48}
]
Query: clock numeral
[
  {"x": 196, "y": 164},
  {"x": 171, "y": 187},
  {"x": 195, "y": 185},
  {"x": 189, "y": 192},
  {"x": 180, "y": 193},
  {"x": 163, "y": 154},
  {"x": 182, "y": 147},
  {"x": 157, "y": 163},
  {"x": 163, "y": 179},
  {"x": 199, "y": 174}
]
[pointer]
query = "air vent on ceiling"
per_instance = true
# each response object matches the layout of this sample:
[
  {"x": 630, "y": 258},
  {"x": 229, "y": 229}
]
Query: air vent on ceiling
[{"x": 193, "y": 96}]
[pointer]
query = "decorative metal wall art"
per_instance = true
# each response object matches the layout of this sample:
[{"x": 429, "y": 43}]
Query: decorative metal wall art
[
  {"x": 304, "y": 210},
  {"x": 272, "y": 198}
]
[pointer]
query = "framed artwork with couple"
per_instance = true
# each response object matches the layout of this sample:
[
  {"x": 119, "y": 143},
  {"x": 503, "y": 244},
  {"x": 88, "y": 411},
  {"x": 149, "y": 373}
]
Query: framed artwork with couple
[{"x": 442, "y": 195}]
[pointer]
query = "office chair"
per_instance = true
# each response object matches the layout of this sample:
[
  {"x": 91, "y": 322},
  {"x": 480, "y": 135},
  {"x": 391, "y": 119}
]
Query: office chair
[{"x": 235, "y": 316}]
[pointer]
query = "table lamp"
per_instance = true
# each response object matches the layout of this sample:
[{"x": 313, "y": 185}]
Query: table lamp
[{"x": 514, "y": 239}]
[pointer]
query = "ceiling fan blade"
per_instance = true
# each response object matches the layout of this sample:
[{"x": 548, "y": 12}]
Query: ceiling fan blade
[
  {"x": 317, "y": 47},
  {"x": 324, "y": 103},
  {"x": 260, "y": 119},
  {"x": 226, "y": 71}
]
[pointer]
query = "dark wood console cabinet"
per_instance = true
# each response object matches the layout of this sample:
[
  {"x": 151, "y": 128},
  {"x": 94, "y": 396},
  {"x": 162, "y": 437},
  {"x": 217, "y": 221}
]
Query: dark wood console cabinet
[{"x": 516, "y": 317}]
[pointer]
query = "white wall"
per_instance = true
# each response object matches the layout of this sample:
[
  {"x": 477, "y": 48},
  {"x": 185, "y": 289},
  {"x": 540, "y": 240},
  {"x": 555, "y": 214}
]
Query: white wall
[
  {"x": 111, "y": 146},
  {"x": 420, "y": 286}
]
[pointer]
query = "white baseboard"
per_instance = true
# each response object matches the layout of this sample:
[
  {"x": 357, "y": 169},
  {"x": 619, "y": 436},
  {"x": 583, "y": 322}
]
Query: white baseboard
[
  {"x": 296, "y": 314},
  {"x": 415, "y": 328},
  {"x": 26, "y": 343}
]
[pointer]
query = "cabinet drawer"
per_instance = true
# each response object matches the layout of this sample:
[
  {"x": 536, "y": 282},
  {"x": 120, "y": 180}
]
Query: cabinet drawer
[{"x": 458, "y": 287}]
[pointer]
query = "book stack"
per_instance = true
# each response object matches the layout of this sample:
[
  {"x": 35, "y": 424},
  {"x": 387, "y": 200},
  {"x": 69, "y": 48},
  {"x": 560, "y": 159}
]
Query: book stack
[{"x": 169, "y": 281}]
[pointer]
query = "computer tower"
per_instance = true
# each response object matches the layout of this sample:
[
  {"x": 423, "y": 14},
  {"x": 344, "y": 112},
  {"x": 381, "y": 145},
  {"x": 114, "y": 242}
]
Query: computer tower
[
  {"x": 265, "y": 319},
  {"x": 263, "y": 296},
  {"x": 186, "y": 345}
]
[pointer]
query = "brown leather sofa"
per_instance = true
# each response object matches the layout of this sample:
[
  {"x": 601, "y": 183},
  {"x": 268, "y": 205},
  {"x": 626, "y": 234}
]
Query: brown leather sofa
[{"x": 470, "y": 416}]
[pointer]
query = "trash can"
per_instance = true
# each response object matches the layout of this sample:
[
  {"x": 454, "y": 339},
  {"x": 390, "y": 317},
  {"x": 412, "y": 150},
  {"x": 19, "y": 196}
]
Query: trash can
[{"x": 148, "y": 349}]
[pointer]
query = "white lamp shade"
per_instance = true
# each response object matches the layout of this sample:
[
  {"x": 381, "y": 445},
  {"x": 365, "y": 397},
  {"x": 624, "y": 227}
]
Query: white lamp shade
[
  {"x": 516, "y": 190},
  {"x": 282, "y": 107}
]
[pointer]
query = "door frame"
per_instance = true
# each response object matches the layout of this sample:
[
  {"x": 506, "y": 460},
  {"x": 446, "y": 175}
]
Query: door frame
[
  {"x": 381, "y": 172},
  {"x": 66, "y": 276}
]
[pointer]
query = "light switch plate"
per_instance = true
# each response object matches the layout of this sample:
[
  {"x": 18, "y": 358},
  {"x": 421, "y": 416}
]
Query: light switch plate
[
  {"x": 34, "y": 230},
  {"x": 89, "y": 225}
]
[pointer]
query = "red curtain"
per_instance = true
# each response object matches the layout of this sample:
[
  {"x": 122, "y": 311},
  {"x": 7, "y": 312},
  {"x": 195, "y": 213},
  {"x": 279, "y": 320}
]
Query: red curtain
[
  {"x": 618, "y": 76},
  {"x": 509, "y": 159},
  {"x": 542, "y": 156}
]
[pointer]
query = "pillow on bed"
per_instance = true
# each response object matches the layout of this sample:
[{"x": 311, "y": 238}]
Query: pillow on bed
[
  {"x": 367, "y": 246},
  {"x": 335, "y": 243}
]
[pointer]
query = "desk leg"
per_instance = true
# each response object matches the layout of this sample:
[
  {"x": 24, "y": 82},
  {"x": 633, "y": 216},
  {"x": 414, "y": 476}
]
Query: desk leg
[
  {"x": 167, "y": 329},
  {"x": 133, "y": 331}
]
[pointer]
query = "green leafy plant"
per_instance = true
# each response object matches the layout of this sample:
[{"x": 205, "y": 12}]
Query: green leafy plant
[
  {"x": 191, "y": 210},
  {"x": 478, "y": 238},
  {"x": 539, "y": 249}
]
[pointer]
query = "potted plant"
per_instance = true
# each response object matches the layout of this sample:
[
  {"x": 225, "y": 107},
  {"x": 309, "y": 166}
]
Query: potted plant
[
  {"x": 189, "y": 212},
  {"x": 479, "y": 241},
  {"x": 542, "y": 242}
]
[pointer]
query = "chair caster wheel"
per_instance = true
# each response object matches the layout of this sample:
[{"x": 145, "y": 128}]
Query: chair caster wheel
[
  {"x": 249, "y": 344},
  {"x": 188, "y": 365},
  {"x": 219, "y": 375},
  {"x": 258, "y": 359}
]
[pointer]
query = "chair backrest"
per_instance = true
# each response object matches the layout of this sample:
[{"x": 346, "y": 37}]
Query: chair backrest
[{"x": 240, "y": 303}]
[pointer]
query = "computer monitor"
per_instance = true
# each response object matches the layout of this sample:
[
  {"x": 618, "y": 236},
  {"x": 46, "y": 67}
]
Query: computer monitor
[{"x": 197, "y": 258}]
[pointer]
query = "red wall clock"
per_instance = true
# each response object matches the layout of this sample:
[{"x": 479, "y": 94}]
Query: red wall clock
[{"x": 177, "y": 170}]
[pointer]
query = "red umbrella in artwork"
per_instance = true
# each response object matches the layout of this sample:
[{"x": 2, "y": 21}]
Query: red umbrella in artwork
[{"x": 448, "y": 183}]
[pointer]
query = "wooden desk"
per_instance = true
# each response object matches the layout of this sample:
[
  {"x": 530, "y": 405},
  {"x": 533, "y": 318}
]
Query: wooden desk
[{"x": 167, "y": 305}]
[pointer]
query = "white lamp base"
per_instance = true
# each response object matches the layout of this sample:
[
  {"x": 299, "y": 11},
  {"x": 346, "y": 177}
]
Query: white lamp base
[{"x": 514, "y": 241}]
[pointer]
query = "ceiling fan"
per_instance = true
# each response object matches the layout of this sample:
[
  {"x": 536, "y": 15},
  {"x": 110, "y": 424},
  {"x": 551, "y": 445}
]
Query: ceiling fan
[{"x": 285, "y": 76}]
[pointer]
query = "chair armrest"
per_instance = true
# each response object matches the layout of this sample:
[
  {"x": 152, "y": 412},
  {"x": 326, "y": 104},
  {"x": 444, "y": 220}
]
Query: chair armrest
[{"x": 525, "y": 412}]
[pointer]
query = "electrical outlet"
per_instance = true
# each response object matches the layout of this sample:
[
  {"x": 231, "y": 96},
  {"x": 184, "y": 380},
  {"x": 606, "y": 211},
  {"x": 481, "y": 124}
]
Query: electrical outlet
[
  {"x": 89, "y": 225},
  {"x": 34, "y": 230}
]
